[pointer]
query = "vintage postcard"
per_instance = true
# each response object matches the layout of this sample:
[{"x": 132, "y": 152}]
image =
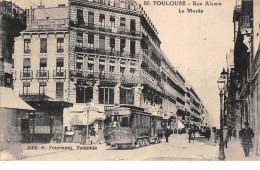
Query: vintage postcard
[{"x": 131, "y": 80}]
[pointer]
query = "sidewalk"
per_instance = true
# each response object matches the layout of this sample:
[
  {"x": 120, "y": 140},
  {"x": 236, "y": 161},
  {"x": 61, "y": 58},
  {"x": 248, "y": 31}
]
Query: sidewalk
[{"x": 235, "y": 152}]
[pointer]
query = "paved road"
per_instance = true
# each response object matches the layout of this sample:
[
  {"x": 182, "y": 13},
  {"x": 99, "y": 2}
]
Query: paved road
[{"x": 177, "y": 149}]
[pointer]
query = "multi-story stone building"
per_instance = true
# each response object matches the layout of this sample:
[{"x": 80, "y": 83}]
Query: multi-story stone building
[
  {"x": 106, "y": 53},
  {"x": 243, "y": 85},
  {"x": 12, "y": 21},
  {"x": 41, "y": 67}
]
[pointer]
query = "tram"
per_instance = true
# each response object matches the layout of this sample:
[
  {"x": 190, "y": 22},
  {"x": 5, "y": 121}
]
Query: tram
[{"x": 130, "y": 126}]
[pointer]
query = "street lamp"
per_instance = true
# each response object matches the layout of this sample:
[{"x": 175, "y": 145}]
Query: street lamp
[
  {"x": 87, "y": 108},
  {"x": 221, "y": 85}
]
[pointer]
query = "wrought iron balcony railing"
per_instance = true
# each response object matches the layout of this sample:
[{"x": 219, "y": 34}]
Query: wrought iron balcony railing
[
  {"x": 26, "y": 75},
  {"x": 132, "y": 78},
  {"x": 118, "y": 30},
  {"x": 102, "y": 51},
  {"x": 44, "y": 74},
  {"x": 59, "y": 74}
]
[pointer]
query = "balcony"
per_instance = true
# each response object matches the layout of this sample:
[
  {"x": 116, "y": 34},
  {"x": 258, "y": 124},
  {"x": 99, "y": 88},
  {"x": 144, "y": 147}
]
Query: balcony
[
  {"x": 99, "y": 28},
  {"x": 59, "y": 74},
  {"x": 146, "y": 59},
  {"x": 112, "y": 77},
  {"x": 42, "y": 74},
  {"x": 26, "y": 75},
  {"x": 102, "y": 51}
]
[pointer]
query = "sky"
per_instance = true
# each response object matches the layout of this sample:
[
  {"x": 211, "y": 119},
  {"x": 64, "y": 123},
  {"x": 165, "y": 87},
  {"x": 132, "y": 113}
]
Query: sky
[{"x": 195, "y": 43}]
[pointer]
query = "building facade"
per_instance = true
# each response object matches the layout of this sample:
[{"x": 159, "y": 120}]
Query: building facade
[
  {"x": 12, "y": 21},
  {"x": 100, "y": 53},
  {"x": 244, "y": 78}
]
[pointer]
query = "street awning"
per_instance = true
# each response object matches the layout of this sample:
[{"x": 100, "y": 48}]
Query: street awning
[
  {"x": 9, "y": 100},
  {"x": 81, "y": 118},
  {"x": 180, "y": 125}
]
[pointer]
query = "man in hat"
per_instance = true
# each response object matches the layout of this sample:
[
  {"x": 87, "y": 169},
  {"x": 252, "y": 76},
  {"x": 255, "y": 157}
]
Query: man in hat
[{"x": 246, "y": 134}]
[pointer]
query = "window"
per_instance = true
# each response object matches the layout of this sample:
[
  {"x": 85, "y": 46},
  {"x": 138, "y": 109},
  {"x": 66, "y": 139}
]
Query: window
[
  {"x": 106, "y": 95},
  {"x": 132, "y": 26},
  {"x": 12, "y": 62},
  {"x": 112, "y": 22},
  {"x": 91, "y": 19},
  {"x": 60, "y": 45},
  {"x": 43, "y": 65},
  {"x": 102, "y": 20},
  {"x": 91, "y": 67},
  {"x": 59, "y": 90},
  {"x": 79, "y": 40},
  {"x": 84, "y": 94},
  {"x": 122, "y": 45},
  {"x": 26, "y": 86},
  {"x": 42, "y": 87},
  {"x": 102, "y": 42},
  {"x": 102, "y": 69},
  {"x": 132, "y": 47},
  {"x": 26, "y": 67},
  {"x": 122, "y": 22},
  {"x": 112, "y": 69},
  {"x": 59, "y": 67},
  {"x": 91, "y": 41},
  {"x": 122, "y": 70},
  {"x": 80, "y": 17},
  {"x": 132, "y": 71},
  {"x": 126, "y": 96},
  {"x": 112, "y": 44},
  {"x": 43, "y": 43},
  {"x": 27, "y": 46}
]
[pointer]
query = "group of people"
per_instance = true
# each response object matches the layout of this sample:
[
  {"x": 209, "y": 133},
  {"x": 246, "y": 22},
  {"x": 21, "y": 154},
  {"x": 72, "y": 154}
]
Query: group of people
[
  {"x": 246, "y": 135},
  {"x": 95, "y": 137}
]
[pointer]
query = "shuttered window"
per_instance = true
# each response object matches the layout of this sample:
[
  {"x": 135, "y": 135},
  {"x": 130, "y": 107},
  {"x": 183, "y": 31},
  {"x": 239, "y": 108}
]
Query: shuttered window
[
  {"x": 59, "y": 90},
  {"x": 102, "y": 42},
  {"x": 43, "y": 62},
  {"x": 43, "y": 44},
  {"x": 91, "y": 18},
  {"x": 26, "y": 63}
]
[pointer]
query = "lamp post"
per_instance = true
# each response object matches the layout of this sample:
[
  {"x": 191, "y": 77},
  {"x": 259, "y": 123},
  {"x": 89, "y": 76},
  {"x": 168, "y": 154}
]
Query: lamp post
[
  {"x": 87, "y": 108},
  {"x": 221, "y": 85}
]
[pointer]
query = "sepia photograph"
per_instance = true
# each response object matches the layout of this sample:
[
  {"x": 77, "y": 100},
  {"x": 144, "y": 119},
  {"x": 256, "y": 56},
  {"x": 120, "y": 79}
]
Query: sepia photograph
[{"x": 129, "y": 80}]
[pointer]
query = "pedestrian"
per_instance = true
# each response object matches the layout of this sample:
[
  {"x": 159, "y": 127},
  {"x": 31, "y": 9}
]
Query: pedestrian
[
  {"x": 208, "y": 133},
  {"x": 246, "y": 134},
  {"x": 225, "y": 135},
  {"x": 190, "y": 133},
  {"x": 229, "y": 132},
  {"x": 234, "y": 132},
  {"x": 167, "y": 134},
  {"x": 92, "y": 135}
]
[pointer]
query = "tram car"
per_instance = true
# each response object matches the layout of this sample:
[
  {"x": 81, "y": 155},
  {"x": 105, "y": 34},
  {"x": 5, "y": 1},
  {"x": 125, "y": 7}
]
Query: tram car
[{"x": 129, "y": 126}]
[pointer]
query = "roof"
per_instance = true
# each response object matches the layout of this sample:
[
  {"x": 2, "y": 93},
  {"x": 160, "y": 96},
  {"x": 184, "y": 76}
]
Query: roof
[{"x": 9, "y": 100}]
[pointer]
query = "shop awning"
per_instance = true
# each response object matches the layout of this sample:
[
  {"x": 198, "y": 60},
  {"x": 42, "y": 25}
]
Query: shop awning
[
  {"x": 81, "y": 118},
  {"x": 9, "y": 100},
  {"x": 180, "y": 125}
]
